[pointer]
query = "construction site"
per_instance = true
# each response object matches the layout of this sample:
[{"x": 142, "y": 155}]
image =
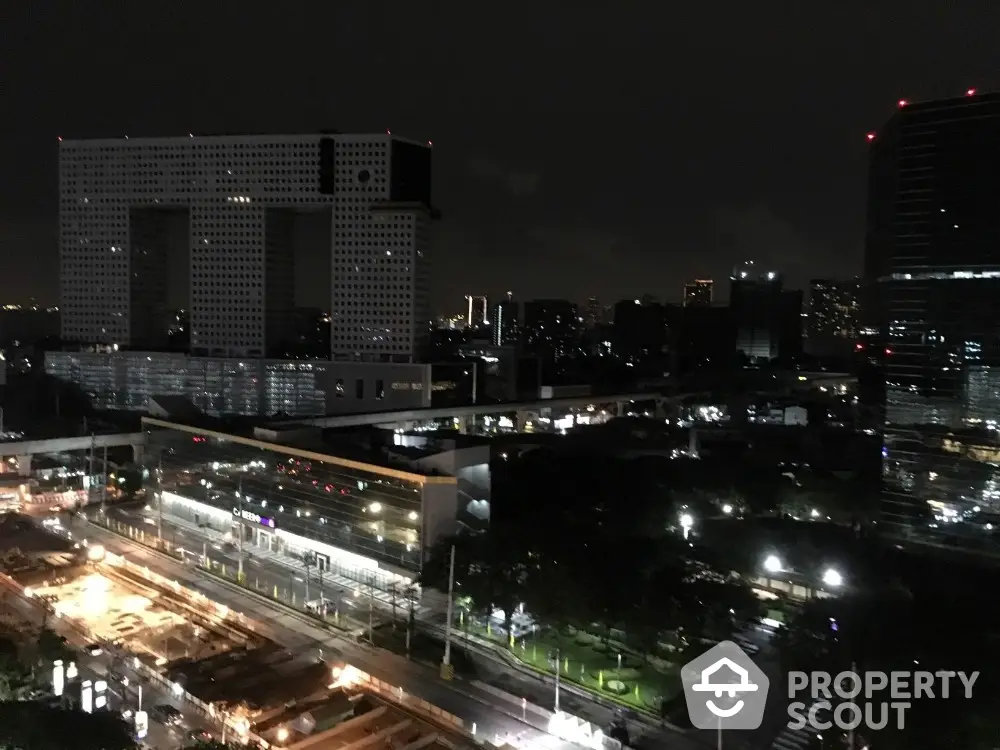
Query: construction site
[{"x": 220, "y": 659}]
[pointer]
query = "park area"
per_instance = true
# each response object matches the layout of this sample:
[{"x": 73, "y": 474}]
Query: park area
[{"x": 601, "y": 665}]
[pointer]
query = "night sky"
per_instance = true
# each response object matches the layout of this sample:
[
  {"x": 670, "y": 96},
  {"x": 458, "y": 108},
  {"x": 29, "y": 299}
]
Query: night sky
[{"x": 609, "y": 152}]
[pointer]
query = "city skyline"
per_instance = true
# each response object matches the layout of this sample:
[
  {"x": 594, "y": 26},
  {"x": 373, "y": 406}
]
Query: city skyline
[{"x": 505, "y": 142}]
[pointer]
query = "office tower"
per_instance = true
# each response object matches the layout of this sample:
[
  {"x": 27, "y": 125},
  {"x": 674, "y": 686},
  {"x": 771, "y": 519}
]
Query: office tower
[
  {"x": 932, "y": 278},
  {"x": 505, "y": 321},
  {"x": 698, "y": 293},
  {"x": 833, "y": 308},
  {"x": 239, "y": 201},
  {"x": 593, "y": 312},
  {"x": 767, "y": 317},
  {"x": 550, "y": 328},
  {"x": 476, "y": 314}
]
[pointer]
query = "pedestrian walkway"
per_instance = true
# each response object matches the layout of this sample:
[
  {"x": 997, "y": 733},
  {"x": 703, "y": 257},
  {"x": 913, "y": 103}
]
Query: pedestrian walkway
[{"x": 386, "y": 599}]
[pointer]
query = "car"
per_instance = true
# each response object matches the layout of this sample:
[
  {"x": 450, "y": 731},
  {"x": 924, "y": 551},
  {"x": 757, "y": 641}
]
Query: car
[
  {"x": 94, "y": 649},
  {"x": 198, "y": 735},
  {"x": 167, "y": 714}
]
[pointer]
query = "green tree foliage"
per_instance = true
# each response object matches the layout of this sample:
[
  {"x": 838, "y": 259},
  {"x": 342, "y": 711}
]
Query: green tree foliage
[
  {"x": 590, "y": 541},
  {"x": 26, "y": 725}
]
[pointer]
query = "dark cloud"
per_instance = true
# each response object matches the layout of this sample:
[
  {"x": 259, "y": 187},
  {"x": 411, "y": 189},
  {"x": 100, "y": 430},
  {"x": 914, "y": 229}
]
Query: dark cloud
[
  {"x": 518, "y": 183},
  {"x": 612, "y": 150}
]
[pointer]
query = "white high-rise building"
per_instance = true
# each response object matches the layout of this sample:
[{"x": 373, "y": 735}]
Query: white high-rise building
[{"x": 241, "y": 196}]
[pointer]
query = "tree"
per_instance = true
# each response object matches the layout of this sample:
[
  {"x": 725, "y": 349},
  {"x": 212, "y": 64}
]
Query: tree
[
  {"x": 52, "y": 646},
  {"x": 34, "y": 726}
]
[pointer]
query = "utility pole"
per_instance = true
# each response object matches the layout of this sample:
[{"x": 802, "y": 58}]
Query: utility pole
[
  {"x": 850, "y": 732},
  {"x": 371, "y": 609},
  {"x": 411, "y": 620},
  {"x": 392, "y": 593},
  {"x": 159, "y": 499},
  {"x": 556, "y": 707},
  {"x": 90, "y": 469},
  {"x": 446, "y": 662},
  {"x": 239, "y": 525},
  {"x": 104, "y": 483}
]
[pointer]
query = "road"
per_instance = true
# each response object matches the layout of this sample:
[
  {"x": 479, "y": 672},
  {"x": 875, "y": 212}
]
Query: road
[
  {"x": 493, "y": 717},
  {"x": 268, "y": 573},
  {"x": 122, "y": 697}
]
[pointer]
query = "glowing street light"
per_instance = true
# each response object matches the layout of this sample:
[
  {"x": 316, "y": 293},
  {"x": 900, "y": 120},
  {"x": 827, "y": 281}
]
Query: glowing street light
[
  {"x": 832, "y": 578},
  {"x": 375, "y": 508},
  {"x": 282, "y": 734},
  {"x": 727, "y": 509},
  {"x": 687, "y": 522},
  {"x": 772, "y": 564},
  {"x": 95, "y": 553}
]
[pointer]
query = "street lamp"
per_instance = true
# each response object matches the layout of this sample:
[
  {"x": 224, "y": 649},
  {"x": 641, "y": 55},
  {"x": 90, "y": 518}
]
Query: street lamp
[
  {"x": 832, "y": 578},
  {"x": 687, "y": 522},
  {"x": 772, "y": 564},
  {"x": 727, "y": 509}
]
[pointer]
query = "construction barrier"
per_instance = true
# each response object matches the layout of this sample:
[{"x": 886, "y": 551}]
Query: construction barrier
[{"x": 400, "y": 697}]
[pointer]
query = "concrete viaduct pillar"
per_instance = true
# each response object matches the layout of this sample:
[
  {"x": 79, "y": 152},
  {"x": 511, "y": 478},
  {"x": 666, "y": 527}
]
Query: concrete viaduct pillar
[
  {"x": 138, "y": 454},
  {"x": 24, "y": 466}
]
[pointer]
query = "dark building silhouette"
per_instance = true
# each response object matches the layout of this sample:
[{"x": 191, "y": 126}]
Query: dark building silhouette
[
  {"x": 702, "y": 338},
  {"x": 639, "y": 333},
  {"x": 767, "y": 317},
  {"x": 932, "y": 291},
  {"x": 550, "y": 328}
]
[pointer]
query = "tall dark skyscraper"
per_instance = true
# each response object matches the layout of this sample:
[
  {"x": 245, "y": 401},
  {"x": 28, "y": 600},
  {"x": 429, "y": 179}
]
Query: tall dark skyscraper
[
  {"x": 550, "y": 328},
  {"x": 767, "y": 317},
  {"x": 932, "y": 282}
]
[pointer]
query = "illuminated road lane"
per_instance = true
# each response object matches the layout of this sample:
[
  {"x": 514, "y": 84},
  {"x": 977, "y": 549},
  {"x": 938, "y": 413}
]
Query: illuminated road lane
[{"x": 461, "y": 698}]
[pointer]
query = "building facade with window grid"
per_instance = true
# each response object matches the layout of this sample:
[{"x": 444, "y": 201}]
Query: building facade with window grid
[
  {"x": 239, "y": 195},
  {"x": 243, "y": 387},
  {"x": 932, "y": 290}
]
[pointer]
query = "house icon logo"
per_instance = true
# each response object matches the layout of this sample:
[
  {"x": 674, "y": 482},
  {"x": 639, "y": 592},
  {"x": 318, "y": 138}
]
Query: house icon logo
[{"x": 724, "y": 689}]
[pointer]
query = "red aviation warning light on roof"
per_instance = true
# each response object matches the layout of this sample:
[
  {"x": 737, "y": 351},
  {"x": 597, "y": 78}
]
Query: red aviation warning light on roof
[{"x": 870, "y": 137}]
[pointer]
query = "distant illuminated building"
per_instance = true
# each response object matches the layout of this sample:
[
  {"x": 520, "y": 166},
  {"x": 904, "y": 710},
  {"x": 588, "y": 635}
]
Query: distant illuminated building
[
  {"x": 505, "y": 321},
  {"x": 698, "y": 293},
  {"x": 833, "y": 308},
  {"x": 476, "y": 315},
  {"x": 593, "y": 317}
]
